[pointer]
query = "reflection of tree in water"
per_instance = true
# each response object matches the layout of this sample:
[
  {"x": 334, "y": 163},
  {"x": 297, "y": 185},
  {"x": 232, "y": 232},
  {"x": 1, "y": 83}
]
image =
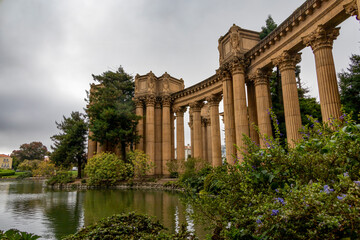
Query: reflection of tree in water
[
  {"x": 26, "y": 187},
  {"x": 63, "y": 211}
]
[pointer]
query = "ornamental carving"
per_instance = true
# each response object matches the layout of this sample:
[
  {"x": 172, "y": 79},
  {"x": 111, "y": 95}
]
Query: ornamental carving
[
  {"x": 287, "y": 61},
  {"x": 260, "y": 77},
  {"x": 137, "y": 83},
  {"x": 214, "y": 99},
  {"x": 235, "y": 39},
  {"x": 166, "y": 100},
  {"x": 196, "y": 106},
  {"x": 166, "y": 78},
  {"x": 321, "y": 37},
  {"x": 224, "y": 73},
  {"x": 150, "y": 100},
  {"x": 352, "y": 9},
  {"x": 179, "y": 111},
  {"x": 139, "y": 102},
  {"x": 151, "y": 82},
  {"x": 237, "y": 65}
]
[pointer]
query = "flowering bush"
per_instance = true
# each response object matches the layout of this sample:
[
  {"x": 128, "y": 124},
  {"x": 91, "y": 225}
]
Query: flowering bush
[
  {"x": 141, "y": 162},
  {"x": 310, "y": 191}
]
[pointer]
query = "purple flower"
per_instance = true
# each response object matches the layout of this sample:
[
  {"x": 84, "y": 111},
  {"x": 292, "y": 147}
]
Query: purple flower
[
  {"x": 258, "y": 221},
  {"x": 274, "y": 212},
  {"x": 280, "y": 200},
  {"x": 346, "y": 174},
  {"x": 357, "y": 183},
  {"x": 341, "y": 197},
  {"x": 277, "y": 190},
  {"x": 327, "y": 189}
]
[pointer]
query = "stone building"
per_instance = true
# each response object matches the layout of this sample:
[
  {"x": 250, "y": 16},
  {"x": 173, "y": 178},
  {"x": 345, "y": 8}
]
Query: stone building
[
  {"x": 5, "y": 161},
  {"x": 242, "y": 82}
]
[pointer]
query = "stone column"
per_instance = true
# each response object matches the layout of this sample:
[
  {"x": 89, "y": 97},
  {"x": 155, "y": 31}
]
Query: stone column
[
  {"x": 287, "y": 64},
  {"x": 139, "y": 110},
  {"x": 261, "y": 82},
  {"x": 230, "y": 138},
  {"x": 208, "y": 141},
  {"x": 91, "y": 146},
  {"x": 166, "y": 134},
  {"x": 240, "y": 108},
  {"x": 196, "y": 112},
  {"x": 214, "y": 101},
  {"x": 172, "y": 127},
  {"x": 101, "y": 147},
  {"x": 150, "y": 129},
  {"x": 191, "y": 132},
  {"x": 321, "y": 42},
  {"x": 204, "y": 137},
  {"x": 180, "y": 139},
  {"x": 158, "y": 137},
  {"x": 252, "y": 111}
]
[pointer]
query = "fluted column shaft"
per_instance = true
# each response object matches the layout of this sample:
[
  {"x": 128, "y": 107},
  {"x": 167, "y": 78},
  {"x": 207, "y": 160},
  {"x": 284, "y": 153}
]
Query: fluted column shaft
[
  {"x": 262, "y": 104},
  {"x": 158, "y": 138},
  {"x": 166, "y": 134},
  {"x": 208, "y": 141},
  {"x": 191, "y": 132},
  {"x": 139, "y": 111},
  {"x": 214, "y": 100},
  {"x": 321, "y": 42},
  {"x": 180, "y": 142},
  {"x": 150, "y": 129},
  {"x": 287, "y": 64},
  {"x": 196, "y": 112},
  {"x": 91, "y": 146},
  {"x": 229, "y": 120},
  {"x": 252, "y": 111},
  {"x": 240, "y": 108},
  {"x": 204, "y": 139}
]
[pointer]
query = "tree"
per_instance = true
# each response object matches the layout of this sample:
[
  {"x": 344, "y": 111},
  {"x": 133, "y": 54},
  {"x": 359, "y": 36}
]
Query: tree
[
  {"x": 270, "y": 26},
  {"x": 29, "y": 151},
  {"x": 69, "y": 145},
  {"x": 111, "y": 111},
  {"x": 349, "y": 83}
]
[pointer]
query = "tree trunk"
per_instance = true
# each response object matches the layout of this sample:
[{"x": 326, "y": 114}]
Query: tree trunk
[
  {"x": 79, "y": 162},
  {"x": 123, "y": 151}
]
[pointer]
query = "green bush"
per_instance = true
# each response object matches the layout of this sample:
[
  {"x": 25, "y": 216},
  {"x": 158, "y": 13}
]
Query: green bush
[
  {"x": 28, "y": 165},
  {"x": 106, "y": 169},
  {"x": 142, "y": 164},
  {"x": 4, "y": 173},
  {"x": 311, "y": 191},
  {"x": 14, "y": 234},
  {"x": 128, "y": 226},
  {"x": 61, "y": 177},
  {"x": 44, "y": 169},
  {"x": 196, "y": 170},
  {"x": 25, "y": 175},
  {"x": 175, "y": 167}
]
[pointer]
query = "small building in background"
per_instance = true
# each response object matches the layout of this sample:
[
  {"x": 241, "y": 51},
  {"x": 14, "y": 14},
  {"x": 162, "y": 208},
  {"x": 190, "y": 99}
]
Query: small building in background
[{"x": 5, "y": 161}]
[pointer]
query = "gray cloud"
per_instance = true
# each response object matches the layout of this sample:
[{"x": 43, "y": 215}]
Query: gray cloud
[{"x": 49, "y": 49}]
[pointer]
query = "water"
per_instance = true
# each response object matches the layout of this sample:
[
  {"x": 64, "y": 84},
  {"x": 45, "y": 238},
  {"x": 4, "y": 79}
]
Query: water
[{"x": 29, "y": 206}]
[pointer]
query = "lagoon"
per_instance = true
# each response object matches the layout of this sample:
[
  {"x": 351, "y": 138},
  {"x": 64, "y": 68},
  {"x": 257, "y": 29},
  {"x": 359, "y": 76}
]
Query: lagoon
[{"x": 29, "y": 206}]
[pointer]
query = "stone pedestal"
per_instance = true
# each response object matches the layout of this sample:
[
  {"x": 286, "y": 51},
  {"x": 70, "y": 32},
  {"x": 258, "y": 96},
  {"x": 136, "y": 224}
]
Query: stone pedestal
[
  {"x": 252, "y": 111},
  {"x": 262, "y": 104},
  {"x": 150, "y": 129},
  {"x": 321, "y": 42},
  {"x": 229, "y": 120},
  {"x": 287, "y": 64},
  {"x": 214, "y": 100},
  {"x": 196, "y": 112},
  {"x": 166, "y": 134},
  {"x": 240, "y": 108}
]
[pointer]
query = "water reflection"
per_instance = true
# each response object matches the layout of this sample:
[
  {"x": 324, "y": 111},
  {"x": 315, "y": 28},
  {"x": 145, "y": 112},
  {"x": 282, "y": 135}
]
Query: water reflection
[{"x": 27, "y": 206}]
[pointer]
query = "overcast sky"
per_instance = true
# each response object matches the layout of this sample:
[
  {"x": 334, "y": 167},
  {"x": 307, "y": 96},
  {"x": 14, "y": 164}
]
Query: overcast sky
[{"x": 50, "y": 48}]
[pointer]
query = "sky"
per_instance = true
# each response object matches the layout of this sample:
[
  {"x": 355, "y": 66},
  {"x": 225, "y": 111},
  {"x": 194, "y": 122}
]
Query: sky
[{"x": 50, "y": 48}]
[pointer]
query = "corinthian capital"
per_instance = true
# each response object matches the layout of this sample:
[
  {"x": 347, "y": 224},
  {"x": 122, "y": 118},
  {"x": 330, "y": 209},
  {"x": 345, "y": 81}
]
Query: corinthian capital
[
  {"x": 287, "y": 61},
  {"x": 150, "y": 100},
  {"x": 321, "y": 37},
  {"x": 166, "y": 100},
  {"x": 139, "y": 102},
  {"x": 224, "y": 73},
  {"x": 196, "y": 106},
  {"x": 237, "y": 66},
  {"x": 260, "y": 77},
  {"x": 214, "y": 99},
  {"x": 179, "y": 111}
]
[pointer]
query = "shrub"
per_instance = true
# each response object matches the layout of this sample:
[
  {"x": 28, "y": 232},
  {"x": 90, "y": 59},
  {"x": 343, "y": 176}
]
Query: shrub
[
  {"x": 28, "y": 165},
  {"x": 195, "y": 173},
  {"x": 128, "y": 226},
  {"x": 175, "y": 167},
  {"x": 141, "y": 162},
  {"x": 61, "y": 177},
  {"x": 4, "y": 173},
  {"x": 25, "y": 175},
  {"x": 44, "y": 169},
  {"x": 14, "y": 234},
  {"x": 106, "y": 169}
]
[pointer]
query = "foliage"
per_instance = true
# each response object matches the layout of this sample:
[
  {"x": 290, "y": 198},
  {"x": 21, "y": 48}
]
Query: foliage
[
  {"x": 44, "y": 169},
  {"x": 270, "y": 26},
  {"x": 106, "y": 169},
  {"x": 111, "y": 110},
  {"x": 14, "y": 234},
  {"x": 310, "y": 191},
  {"x": 29, "y": 165},
  {"x": 141, "y": 162},
  {"x": 69, "y": 145},
  {"x": 175, "y": 167},
  {"x": 128, "y": 226},
  {"x": 62, "y": 177},
  {"x": 4, "y": 173},
  {"x": 349, "y": 83},
  {"x": 30, "y": 151},
  {"x": 195, "y": 172},
  {"x": 24, "y": 175}
]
